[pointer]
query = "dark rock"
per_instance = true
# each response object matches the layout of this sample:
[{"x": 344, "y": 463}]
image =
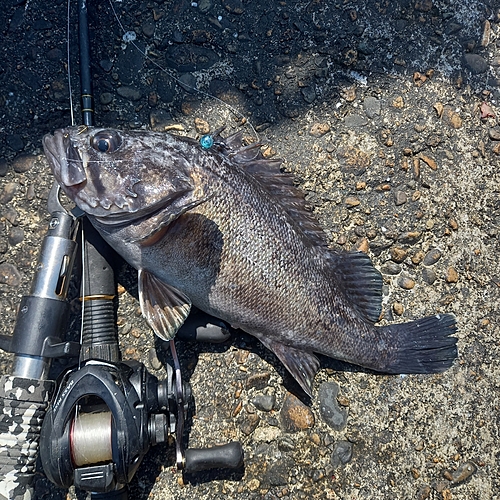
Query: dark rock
[
  {"x": 54, "y": 55},
  {"x": 476, "y": 63},
  {"x": 371, "y": 105},
  {"x": 11, "y": 215},
  {"x": 406, "y": 283},
  {"x": 398, "y": 254},
  {"x": 342, "y": 453},
  {"x": 400, "y": 198},
  {"x": 188, "y": 82},
  {"x": 159, "y": 119},
  {"x": 432, "y": 256},
  {"x": 4, "y": 166},
  {"x": 15, "y": 142},
  {"x": 390, "y": 268},
  {"x": 309, "y": 94},
  {"x": 409, "y": 237},
  {"x": 106, "y": 65},
  {"x": 23, "y": 163},
  {"x": 148, "y": 28},
  {"x": 355, "y": 121},
  {"x": 277, "y": 474},
  {"x": 9, "y": 191},
  {"x": 429, "y": 275},
  {"x": 330, "y": 411},
  {"x": 249, "y": 423},
  {"x": 295, "y": 416},
  {"x": 264, "y": 402},
  {"x": 106, "y": 98},
  {"x": 494, "y": 133},
  {"x": 463, "y": 473},
  {"x": 259, "y": 380},
  {"x": 16, "y": 235},
  {"x": 9, "y": 275},
  {"x": 130, "y": 93}
]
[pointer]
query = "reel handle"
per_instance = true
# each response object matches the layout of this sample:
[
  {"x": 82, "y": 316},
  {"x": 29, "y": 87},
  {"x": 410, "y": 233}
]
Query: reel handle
[{"x": 226, "y": 456}]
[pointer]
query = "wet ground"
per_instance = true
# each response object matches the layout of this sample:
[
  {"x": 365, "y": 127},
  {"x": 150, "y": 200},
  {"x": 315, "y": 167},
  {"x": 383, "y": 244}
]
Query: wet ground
[{"x": 387, "y": 113}]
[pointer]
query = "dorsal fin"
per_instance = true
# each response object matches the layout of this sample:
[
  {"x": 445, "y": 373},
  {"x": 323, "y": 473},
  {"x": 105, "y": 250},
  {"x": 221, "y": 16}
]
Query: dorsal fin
[
  {"x": 278, "y": 184},
  {"x": 362, "y": 282}
]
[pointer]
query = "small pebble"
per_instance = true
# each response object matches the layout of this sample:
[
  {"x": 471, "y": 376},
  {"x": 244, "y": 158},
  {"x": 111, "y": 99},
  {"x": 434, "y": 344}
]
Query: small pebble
[
  {"x": 451, "y": 275},
  {"x": 390, "y": 268},
  {"x": 463, "y": 473},
  {"x": 342, "y": 453},
  {"x": 106, "y": 98},
  {"x": 410, "y": 237},
  {"x": 4, "y": 167},
  {"x": 429, "y": 275},
  {"x": 371, "y": 105},
  {"x": 398, "y": 308},
  {"x": 398, "y": 254},
  {"x": 319, "y": 129},
  {"x": 400, "y": 198},
  {"x": 202, "y": 126},
  {"x": 295, "y": 416},
  {"x": 494, "y": 133},
  {"x": 23, "y": 163},
  {"x": 9, "y": 275},
  {"x": 129, "y": 93},
  {"x": 398, "y": 102},
  {"x": 432, "y": 257},
  {"x": 429, "y": 161},
  {"x": 11, "y": 215},
  {"x": 259, "y": 380},
  {"x": 452, "y": 117},
  {"x": 417, "y": 257},
  {"x": 16, "y": 235},
  {"x": 406, "y": 283},
  {"x": 264, "y": 402},
  {"x": 9, "y": 191},
  {"x": 476, "y": 63},
  {"x": 329, "y": 408},
  {"x": 249, "y": 423},
  {"x": 352, "y": 201}
]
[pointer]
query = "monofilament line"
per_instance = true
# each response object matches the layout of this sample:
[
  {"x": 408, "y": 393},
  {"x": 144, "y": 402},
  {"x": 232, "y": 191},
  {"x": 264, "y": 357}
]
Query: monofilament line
[{"x": 184, "y": 84}]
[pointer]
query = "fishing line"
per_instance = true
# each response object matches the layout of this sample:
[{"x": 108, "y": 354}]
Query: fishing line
[{"x": 181, "y": 83}]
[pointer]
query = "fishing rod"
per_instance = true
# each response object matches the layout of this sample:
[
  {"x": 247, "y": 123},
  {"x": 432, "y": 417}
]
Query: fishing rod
[{"x": 106, "y": 413}]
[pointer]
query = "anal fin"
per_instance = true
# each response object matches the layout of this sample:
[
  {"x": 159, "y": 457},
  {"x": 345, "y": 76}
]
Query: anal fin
[
  {"x": 301, "y": 364},
  {"x": 164, "y": 307}
]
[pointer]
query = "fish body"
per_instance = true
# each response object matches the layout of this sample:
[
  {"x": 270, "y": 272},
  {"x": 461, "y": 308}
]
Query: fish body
[{"x": 222, "y": 228}]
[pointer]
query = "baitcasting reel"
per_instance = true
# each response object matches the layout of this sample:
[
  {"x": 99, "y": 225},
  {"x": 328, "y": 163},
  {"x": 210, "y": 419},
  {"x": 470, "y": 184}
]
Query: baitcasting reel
[{"x": 106, "y": 413}]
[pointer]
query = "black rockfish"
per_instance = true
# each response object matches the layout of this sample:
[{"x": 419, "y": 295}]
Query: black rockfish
[{"x": 218, "y": 226}]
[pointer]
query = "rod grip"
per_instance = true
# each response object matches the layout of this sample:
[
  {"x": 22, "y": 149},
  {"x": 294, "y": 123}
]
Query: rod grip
[
  {"x": 227, "y": 456},
  {"x": 23, "y": 403}
]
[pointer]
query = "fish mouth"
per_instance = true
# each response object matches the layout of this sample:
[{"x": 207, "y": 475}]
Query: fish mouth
[{"x": 64, "y": 159}]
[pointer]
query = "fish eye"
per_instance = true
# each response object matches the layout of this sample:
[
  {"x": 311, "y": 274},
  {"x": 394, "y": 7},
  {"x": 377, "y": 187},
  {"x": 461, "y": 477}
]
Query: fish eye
[{"x": 106, "y": 141}]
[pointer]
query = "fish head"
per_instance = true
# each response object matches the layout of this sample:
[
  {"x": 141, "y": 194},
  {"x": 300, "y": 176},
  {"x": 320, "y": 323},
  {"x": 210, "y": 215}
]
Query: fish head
[{"x": 119, "y": 176}]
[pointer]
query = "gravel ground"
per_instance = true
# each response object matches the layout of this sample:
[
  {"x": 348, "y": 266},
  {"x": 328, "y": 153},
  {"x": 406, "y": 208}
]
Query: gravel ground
[{"x": 387, "y": 113}]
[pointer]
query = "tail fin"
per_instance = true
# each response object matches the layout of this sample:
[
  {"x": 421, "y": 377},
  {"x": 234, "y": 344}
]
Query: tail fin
[{"x": 424, "y": 346}]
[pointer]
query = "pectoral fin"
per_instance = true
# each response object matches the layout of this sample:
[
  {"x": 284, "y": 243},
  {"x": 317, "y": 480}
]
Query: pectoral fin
[
  {"x": 164, "y": 307},
  {"x": 302, "y": 365}
]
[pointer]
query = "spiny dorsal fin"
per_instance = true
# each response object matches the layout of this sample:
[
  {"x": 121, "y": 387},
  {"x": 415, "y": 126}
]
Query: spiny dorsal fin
[{"x": 278, "y": 184}]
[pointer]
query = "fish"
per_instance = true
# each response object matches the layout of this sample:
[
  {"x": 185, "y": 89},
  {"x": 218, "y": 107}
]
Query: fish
[{"x": 214, "y": 224}]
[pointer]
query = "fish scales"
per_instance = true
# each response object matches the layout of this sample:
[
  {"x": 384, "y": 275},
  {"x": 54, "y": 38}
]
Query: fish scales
[{"x": 223, "y": 229}]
